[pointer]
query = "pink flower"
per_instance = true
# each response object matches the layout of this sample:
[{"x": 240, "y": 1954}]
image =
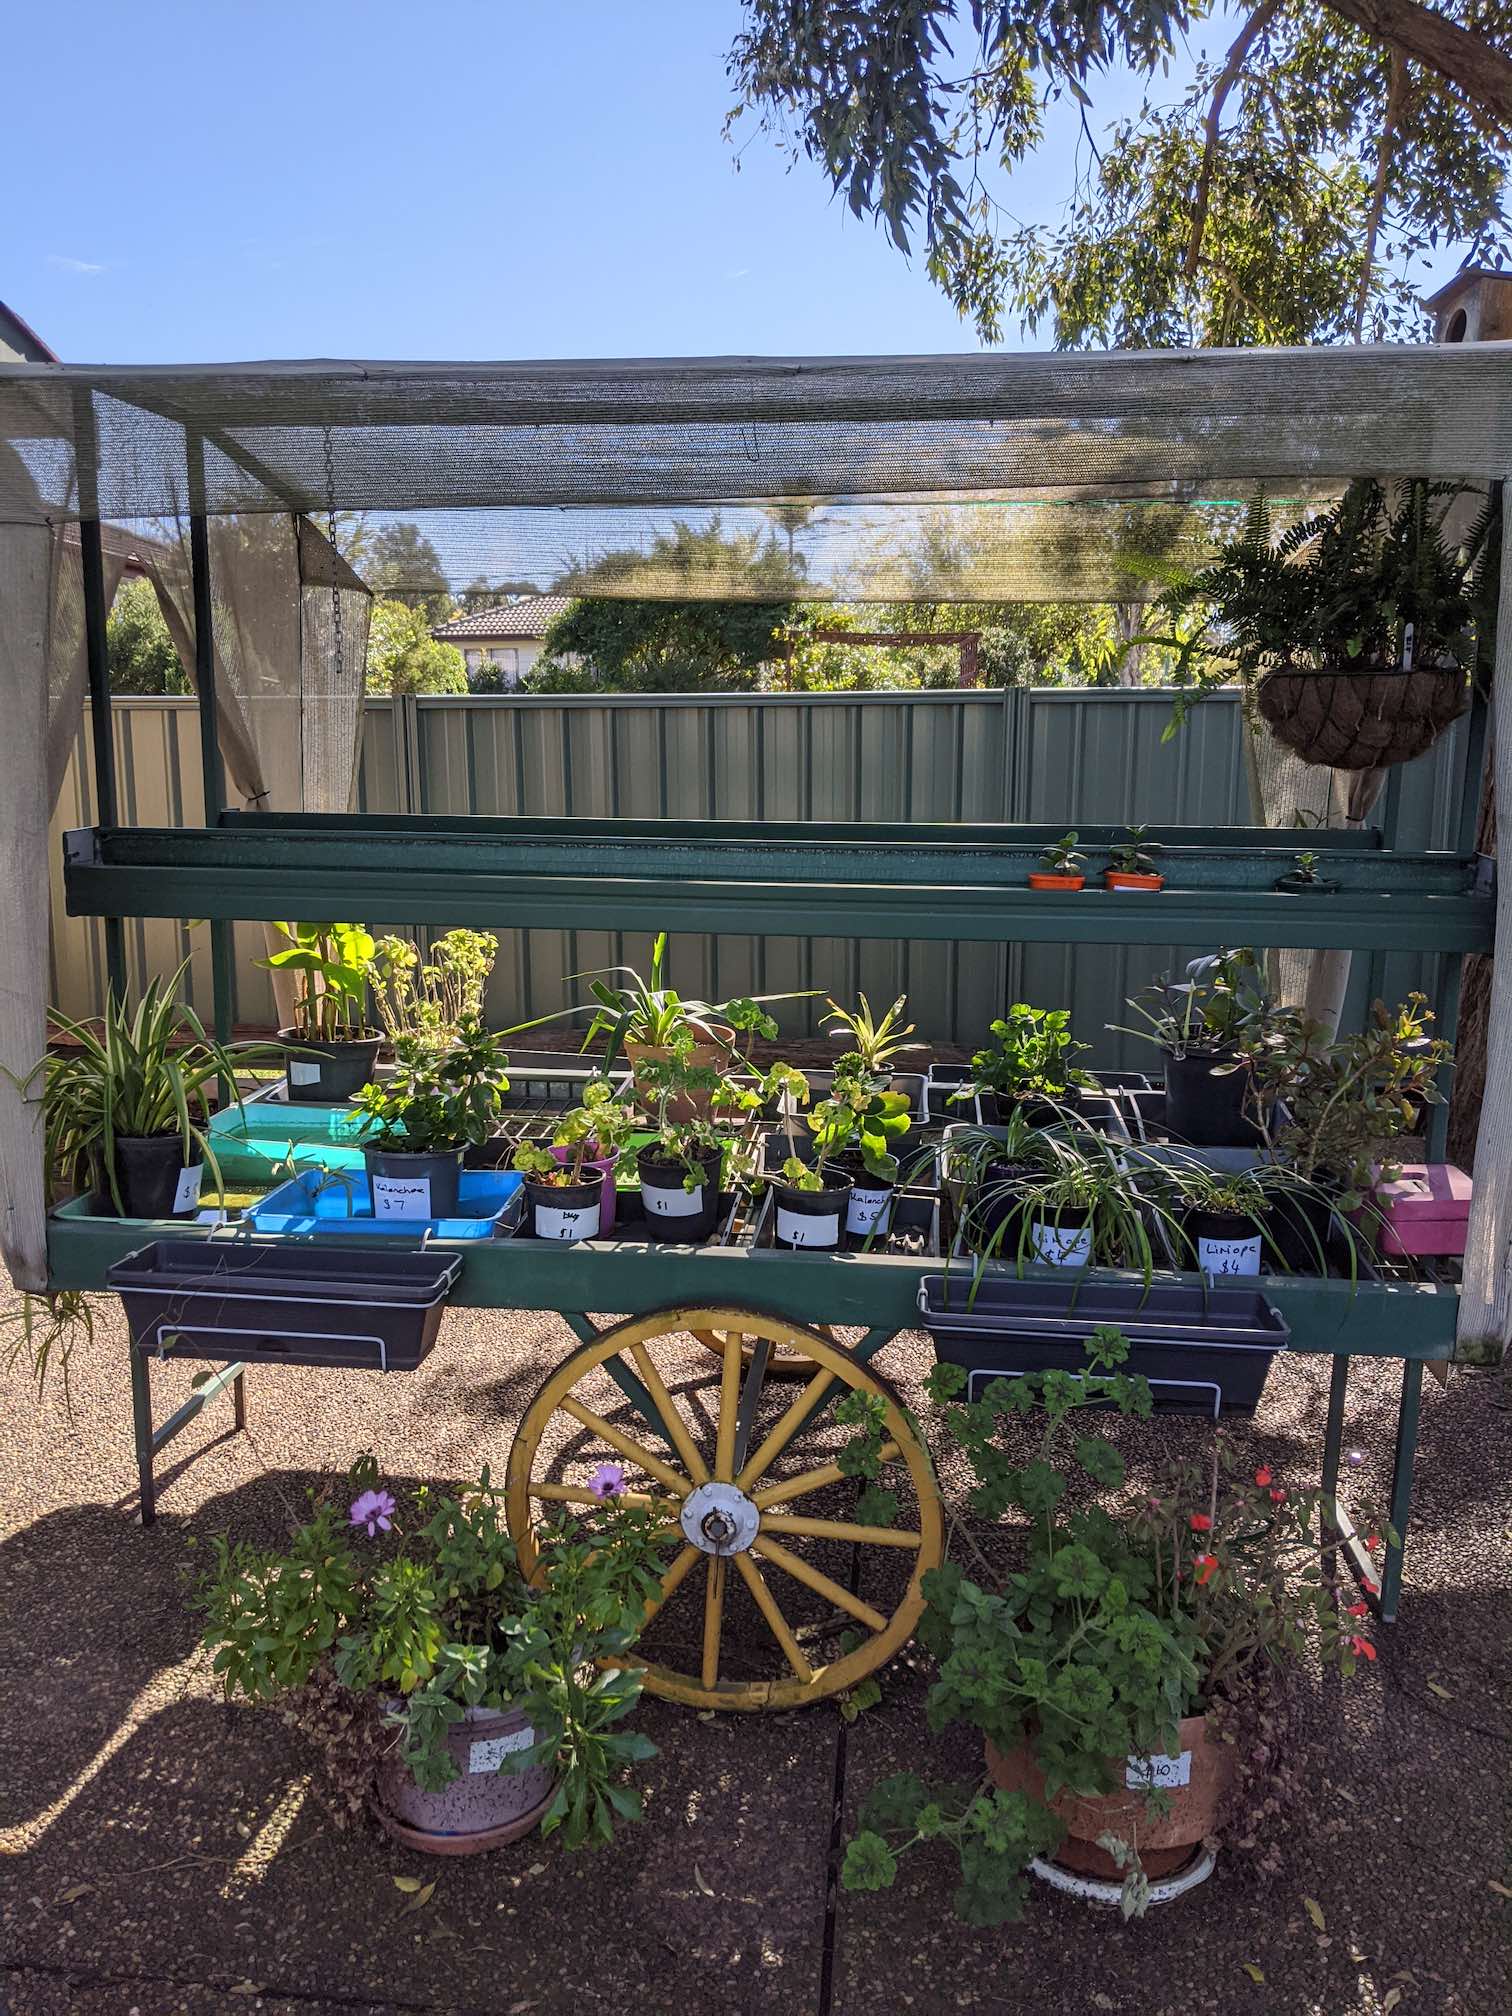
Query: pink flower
[
  {"x": 1263, "y": 1474},
  {"x": 375, "y": 1511},
  {"x": 608, "y": 1480},
  {"x": 1278, "y": 1496},
  {"x": 1201, "y": 1523}
]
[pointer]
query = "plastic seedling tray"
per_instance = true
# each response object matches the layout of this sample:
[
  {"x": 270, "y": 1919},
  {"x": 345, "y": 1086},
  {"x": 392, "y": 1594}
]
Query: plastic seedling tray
[
  {"x": 913, "y": 1234},
  {"x": 257, "y": 1301},
  {"x": 341, "y": 1205},
  {"x": 1204, "y": 1350}
]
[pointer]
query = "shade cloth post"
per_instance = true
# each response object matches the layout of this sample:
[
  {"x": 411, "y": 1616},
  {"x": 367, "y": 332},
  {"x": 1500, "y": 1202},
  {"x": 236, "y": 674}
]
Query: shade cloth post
[
  {"x": 97, "y": 650},
  {"x": 212, "y": 771},
  {"x": 1485, "y": 1315}
]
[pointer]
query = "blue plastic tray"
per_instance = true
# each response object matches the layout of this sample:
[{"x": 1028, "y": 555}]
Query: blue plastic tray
[{"x": 342, "y": 1204}]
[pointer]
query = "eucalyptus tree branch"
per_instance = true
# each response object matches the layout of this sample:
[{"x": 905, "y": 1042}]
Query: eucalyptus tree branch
[
  {"x": 1396, "y": 102},
  {"x": 1227, "y": 78},
  {"x": 1459, "y": 54}
]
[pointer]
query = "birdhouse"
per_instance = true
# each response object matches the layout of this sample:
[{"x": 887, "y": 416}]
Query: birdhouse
[{"x": 1475, "y": 307}]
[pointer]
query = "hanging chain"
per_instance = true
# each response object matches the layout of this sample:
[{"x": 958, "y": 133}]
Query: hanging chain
[{"x": 330, "y": 474}]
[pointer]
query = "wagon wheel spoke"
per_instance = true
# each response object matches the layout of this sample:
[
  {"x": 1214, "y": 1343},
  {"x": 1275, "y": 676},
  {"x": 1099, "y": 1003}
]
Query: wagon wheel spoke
[{"x": 731, "y": 1638}]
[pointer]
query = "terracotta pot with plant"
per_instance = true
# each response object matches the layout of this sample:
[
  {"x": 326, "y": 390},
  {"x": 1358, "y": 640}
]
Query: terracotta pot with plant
[
  {"x": 456, "y": 1700},
  {"x": 1061, "y": 867},
  {"x": 1132, "y": 866},
  {"x": 1116, "y": 1674}
]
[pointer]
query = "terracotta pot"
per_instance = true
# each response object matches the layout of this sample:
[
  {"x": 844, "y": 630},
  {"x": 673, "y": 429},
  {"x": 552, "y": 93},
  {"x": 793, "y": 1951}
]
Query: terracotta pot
[
  {"x": 1039, "y": 880},
  {"x": 717, "y": 1051},
  {"x": 481, "y": 1809},
  {"x": 1353, "y": 719},
  {"x": 1119, "y": 878},
  {"x": 1165, "y": 1841}
]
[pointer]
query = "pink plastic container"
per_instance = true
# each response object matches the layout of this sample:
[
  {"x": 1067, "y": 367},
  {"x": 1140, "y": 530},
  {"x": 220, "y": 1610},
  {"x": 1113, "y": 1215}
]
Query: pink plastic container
[
  {"x": 1426, "y": 1210},
  {"x": 607, "y": 1165}
]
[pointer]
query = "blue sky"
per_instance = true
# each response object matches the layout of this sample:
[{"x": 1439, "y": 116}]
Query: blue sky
[{"x": 468, "y": 178}]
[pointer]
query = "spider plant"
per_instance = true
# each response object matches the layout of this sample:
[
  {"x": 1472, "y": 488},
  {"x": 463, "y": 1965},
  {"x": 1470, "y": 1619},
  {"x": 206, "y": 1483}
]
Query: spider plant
[
  {"x": 140, "y": 1071},
  {"x": 1255, "y": 1196},
  {"x": 876, "y": 1043},
  {"x": 1077, "y": 1180}
]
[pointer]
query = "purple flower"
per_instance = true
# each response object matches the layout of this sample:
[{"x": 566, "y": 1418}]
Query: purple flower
[
  {"x": 608, "y": 1480},
  {"x": 375, "y": 1510}
]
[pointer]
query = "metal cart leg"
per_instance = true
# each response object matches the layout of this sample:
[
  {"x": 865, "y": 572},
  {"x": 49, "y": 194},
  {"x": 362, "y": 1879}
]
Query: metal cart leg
[
  {"x": 239, "y": 1399},
  {"x": 1333, "y": 1434},
  {"x": 1401, "y": 1486},
  {"x": 141, "y": 1422}
]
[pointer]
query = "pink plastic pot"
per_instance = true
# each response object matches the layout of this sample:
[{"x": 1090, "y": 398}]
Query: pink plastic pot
[
  {"x": 606, "y": 1165},
  {"x": 1426, "y": 1210}
]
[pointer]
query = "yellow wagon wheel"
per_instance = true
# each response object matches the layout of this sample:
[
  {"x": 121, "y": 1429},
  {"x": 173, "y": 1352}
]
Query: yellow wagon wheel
[
  {"x": 735, "y": 1481},
  {"x": 784, "y": 1363}
]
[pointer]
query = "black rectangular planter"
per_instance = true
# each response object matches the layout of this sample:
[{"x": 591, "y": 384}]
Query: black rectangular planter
[
  {"x": 365, "y": 1306},
  {"x": 1203, "y": 1350}
]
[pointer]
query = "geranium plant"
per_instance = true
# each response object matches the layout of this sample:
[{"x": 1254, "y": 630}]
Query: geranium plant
[
  {"x": 1115, "y": 1625},
  {"x": 590, "y": 1132},
  {"x": 1032, "y": 1056},
  {"x": 414, "y": 1607}
]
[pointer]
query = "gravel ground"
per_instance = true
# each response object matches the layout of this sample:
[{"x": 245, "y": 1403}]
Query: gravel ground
[{"x": 162, "y": 1852}]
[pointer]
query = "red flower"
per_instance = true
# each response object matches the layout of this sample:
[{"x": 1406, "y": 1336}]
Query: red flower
[
  {"x": 1371, "y": 1588},
  {"x": 1263, "y": 1475},
  {"x": 1204, "y": 1565},
  {"x": 1201, "y": 1523},
  {"x": 1374, "y": 1541},
  {"x": 1359, "y": 1610},
  {"x": 1278, "y": 1496},
  {"x": 1362, "y": 1648}
]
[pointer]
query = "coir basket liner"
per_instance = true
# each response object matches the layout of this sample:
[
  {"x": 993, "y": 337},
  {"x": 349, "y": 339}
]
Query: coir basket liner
[{"x": 1361, "y": 720}]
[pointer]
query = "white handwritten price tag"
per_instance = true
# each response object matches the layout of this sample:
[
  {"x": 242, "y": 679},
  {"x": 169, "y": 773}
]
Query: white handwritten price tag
[
  {"x": 489, "y": 1755},
  {"x": 1158, "y": 1774},
  {"x": 1062, "y": 1245},
  {"x": 1229, "y": 1256},
  {"x": 557, "y": 1221},
  {"x": 186, "y": 1196},
  {"x": 674, "y": 1203},
  {"x": 795, "y": 1228},
  {"x": 303, "y": 1072},
  {"x": 866, "y": 1210},
  {"x": 401, "y": 1197}
]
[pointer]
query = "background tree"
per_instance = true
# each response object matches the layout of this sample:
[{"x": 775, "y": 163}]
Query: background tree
[
  {"x": 400, "y": 559},
  {"x": 660, "y": 647},
  {"x": 1284, "y": 197},
  {"x": 403, "y": 657},
  {"x": 140, "y": 650}
]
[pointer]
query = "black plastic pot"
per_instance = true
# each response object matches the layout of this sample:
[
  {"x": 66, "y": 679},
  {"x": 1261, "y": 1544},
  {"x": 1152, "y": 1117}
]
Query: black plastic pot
[
  {"x": 1308, "y": 1234},
  {"x": 1204, "y": 1102},
  {"x": 152, "y": 1177},
  {"x": 868, "y": 1209},
  {"x": 671, "y": 1210},
  {"x": 406, "y": 1185},
  {"x": 1036, "y": 1112},
  {"x": 325, "y": 1074},
  {"x": 1059, "y": 1238},
  {"x": 993, "y": 1217},
  {"x": 811, "y": 1218},
  {"x": 565, "y": 1212},
  {"x": 1298, "y": 884},
  {"x": 1226, "y": 1244},
  {"x": 307, "y": 1304},
  {"x": 1204, "y": 1349}
]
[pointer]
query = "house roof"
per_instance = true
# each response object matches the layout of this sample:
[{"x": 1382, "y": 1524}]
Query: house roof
[
  {"x": 19, "y": 338},
  {"x": 528, "y": 617}
]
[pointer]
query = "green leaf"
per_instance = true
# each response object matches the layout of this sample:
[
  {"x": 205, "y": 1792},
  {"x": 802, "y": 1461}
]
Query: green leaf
[{"x": 869, "y": 1863}]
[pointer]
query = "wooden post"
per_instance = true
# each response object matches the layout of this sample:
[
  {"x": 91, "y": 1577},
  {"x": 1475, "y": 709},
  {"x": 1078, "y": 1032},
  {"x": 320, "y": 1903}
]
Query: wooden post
[{"x": 1485, "y": 1319}]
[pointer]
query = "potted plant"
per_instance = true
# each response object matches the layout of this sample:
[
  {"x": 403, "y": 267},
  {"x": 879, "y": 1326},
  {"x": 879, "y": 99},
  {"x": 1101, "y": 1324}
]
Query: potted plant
[
  {"x": 879, "y": 1044},
  {"x": 436, "y": 1105},
  {"x": 564, "y": 1179},
  {"x": 856, "y": 1132},
  {"x": 681, "y": 1169},
  {"x": 429, "y": 998},
  {"x": 126, "y": 1106},
  {"x": 1204, "y": 1027},
  {"x": 1354, "y": 628},
  {"x": 1120, "y": 1673},
  {"x": 1132, "y": 866},
  {"x": 332, "y": 1050},
  {"x": 1304, "y": 880},
  {"x": 1028, "y": 1067},
  {"x": 1333, "y": 1107},
  {"x": 808, "y": 1199},
  {"x": 1251, "y": 1221},
  {"x": 985, "y": 1170},
  {"x": 458, "y": 1701},
  {"x": 639, "y": 1017},
  {"x": 1061, "y": 867}
]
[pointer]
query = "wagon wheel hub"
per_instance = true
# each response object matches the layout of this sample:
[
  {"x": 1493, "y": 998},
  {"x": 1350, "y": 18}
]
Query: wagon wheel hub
[{"x": 719, "y": 1519}]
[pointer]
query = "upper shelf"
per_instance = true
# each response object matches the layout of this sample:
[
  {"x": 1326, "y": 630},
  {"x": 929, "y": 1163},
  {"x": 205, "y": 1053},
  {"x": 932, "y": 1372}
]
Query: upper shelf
[{"x": 931, "y": 882}]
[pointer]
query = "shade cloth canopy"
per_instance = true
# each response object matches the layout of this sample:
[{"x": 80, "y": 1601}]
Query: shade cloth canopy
[{"x": 982, "y": 477}]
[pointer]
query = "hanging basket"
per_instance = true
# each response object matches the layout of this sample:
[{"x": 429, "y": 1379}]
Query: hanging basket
[{"x": 1361, "y": 720}]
